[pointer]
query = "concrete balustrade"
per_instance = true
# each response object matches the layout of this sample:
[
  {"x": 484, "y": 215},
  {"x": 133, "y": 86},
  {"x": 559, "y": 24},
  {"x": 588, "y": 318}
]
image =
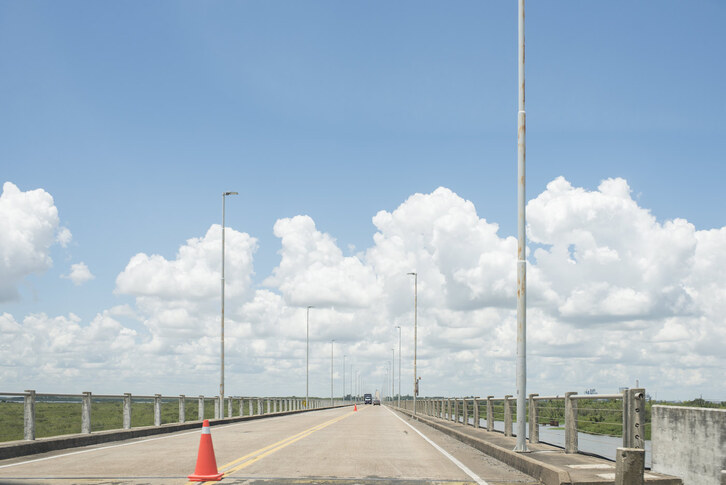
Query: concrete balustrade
[
  {"x": 247, "y": 407},
  {"x": 459, "y": 410}
]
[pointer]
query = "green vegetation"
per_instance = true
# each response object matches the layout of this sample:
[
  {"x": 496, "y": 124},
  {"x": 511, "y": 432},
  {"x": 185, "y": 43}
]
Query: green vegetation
[{"x": 60, "y": 418}]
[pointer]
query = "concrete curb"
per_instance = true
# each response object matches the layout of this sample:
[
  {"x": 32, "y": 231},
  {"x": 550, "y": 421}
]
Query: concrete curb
[
  {"x": 547, "y": 474},
  {"x": 14, "y": 449}
]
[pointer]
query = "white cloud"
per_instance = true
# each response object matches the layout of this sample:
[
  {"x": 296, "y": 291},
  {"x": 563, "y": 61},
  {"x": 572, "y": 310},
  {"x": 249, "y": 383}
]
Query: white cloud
[
  {"x": 313, "y": 270},
  {"x": 615, "y": 295},
  {"x": 28, "y": 228},
  {"x": 79, "y": 274}
]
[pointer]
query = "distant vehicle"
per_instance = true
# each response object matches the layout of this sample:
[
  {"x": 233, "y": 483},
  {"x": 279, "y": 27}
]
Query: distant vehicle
[
  {"x": 367, "y": 399},
  {"x": 376, "y": 402}
]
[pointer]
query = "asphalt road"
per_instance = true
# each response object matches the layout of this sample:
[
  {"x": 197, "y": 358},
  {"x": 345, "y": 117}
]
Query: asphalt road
[{"x": 339, "y": 446}]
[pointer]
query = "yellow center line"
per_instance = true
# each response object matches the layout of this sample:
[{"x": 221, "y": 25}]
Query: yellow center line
[{"x": 254, "y": 456}]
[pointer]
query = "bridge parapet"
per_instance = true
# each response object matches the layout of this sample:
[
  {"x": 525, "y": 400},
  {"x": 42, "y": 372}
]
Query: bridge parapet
[
  {"x": 99, "y": 412},
  {"x": 549, "y": 410}
]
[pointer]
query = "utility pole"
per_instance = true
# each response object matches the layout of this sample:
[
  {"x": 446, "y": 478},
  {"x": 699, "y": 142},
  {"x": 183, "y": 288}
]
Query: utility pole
[{"x": 521, "y": 445}]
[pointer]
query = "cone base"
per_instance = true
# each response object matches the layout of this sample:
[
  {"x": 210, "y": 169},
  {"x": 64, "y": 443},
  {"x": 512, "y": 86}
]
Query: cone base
[{"x": 204, "y": 478}]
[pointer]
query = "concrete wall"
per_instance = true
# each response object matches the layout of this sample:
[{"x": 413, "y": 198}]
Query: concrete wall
[{"x": 689, "y": 443}]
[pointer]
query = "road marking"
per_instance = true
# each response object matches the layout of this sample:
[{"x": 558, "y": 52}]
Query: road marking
[
  {"x": 174, "y": 435},
  {"x": 257, "y": 455},
  {"x": 456, "y": 462}
]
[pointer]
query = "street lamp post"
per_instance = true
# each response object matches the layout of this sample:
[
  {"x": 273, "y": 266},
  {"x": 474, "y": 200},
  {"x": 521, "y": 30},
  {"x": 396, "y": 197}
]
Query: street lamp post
[
  {"x": 307, "y": 356},
  {"x": 332, "y": 342},
  {"x": 399, "y": 365},
  {"x": 344, "y": 356},
  {"x": 415, "y": 337},
  {"x": 393, "y": 372},
  {"x": 521, "y": 445},
  {"x": 221, "y": 378}
]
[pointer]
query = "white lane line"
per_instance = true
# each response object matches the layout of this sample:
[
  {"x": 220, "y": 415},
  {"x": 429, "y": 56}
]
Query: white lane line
[
  {"x": 174, "y": 435},
  {"x": 456, "y": 462}
]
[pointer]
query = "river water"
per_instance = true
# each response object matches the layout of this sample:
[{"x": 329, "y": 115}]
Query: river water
[{"x": 600, "y": 445}]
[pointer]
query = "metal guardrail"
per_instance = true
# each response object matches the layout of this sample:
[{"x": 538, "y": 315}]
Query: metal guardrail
[
  {"x": 460, "y": 409},
  {"x": 245, "y": 406}
]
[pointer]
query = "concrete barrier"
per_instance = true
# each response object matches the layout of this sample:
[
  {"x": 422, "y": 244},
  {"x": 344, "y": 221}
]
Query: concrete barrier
[
  {"x": 689, "y": 443},
  {"x": 630, "y": 466}
]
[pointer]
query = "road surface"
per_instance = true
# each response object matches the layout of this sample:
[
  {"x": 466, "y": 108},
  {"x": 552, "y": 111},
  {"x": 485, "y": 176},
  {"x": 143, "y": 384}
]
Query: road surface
[{"x": 373, "y": 445}]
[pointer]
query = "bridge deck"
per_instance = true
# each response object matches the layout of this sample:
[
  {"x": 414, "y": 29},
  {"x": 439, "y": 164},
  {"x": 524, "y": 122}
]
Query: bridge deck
[{"x": 372, "y": 445}]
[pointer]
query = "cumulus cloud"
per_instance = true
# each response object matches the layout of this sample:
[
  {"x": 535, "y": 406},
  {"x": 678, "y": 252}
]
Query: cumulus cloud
[
  {"x": 29, "y": 226},
  {"x": 606, "y": 258},
  {"x": 79, "y": 274},
  {"x": 615, "y": 295},
  {"x": 313, "y": 270}
]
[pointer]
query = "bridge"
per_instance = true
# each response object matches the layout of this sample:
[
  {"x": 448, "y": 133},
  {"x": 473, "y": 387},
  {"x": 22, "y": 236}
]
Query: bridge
[{"x": 278, "y": 441}]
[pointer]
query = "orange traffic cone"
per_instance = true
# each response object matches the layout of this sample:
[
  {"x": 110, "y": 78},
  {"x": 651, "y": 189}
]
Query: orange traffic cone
[
  {"x": 206, "y": 462},
  {"x": 355, "y": 407}
]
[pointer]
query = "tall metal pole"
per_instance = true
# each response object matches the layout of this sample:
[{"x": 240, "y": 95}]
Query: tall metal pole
[
  {"x": 521, "y": 445},
  {"x": 331, "y": 371},
  {"x": 344, "y": 356},
  {"x": 415, "y": 338},
  {"x": 393, "y": 372},
  {"x": 399, "y": 365},
  {"x": 221, "y": 377},
  {"x": 307, "y": 356}
]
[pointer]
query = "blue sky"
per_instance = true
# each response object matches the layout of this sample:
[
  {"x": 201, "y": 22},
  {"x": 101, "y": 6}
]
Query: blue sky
[{"x": 135, "y": 116}]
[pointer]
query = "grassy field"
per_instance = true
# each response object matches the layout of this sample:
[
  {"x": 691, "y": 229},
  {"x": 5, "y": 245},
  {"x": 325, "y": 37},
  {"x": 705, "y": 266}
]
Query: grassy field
[{"x": 59, "y": 418}]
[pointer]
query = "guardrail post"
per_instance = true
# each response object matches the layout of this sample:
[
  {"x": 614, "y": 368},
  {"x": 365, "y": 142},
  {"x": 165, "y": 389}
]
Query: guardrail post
[
  {"x": 571, "y": 444},
  {"x": 182, "y": 409},
  {"x": 465, "y": 411},
  {"x": 634, "y": 418},
  {"x": 157, "y": 409},
  {"x": 456, "y": 410},
  {"x": 476, "y": 412},
  {"x": 127, "y": 410},
  {"x": 29, "y": 414},
  {"x": 86, "y": 413},
  {"x": 507, "y": 416},
  {"x": 269, "y": 409},
  {"x": 217, "y": 407},
  {"x": 241, "y": 407},
  {"x": 629, "y": 466},
  {"x": 229, "y": 406},
  {"x": 448, "y": 409},
  {"x": 490, "y": 414},
  {"x": 533, "y": 419},
  {"x": 200, "y": 409}
]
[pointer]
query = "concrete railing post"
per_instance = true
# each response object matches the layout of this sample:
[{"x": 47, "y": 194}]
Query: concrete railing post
[
  {"x": 465, "y": 411},
  {"x": 448, "y": 409},
  {"x": 127, "y": 410},
  {"x": 507, "y": 416},
  {"x": 456, "y": 411},
  {"x": 182, "y": 408},
  {"x": 269, "y": 406},
  {"x": 634, "y": 423},
  {"x": 490, "y": 414},
  {"x": 217, "y": 407},
  {"x": 571, "y": 443},
  {"x": 533, "y": 419},
  {"x": 229, "y": 407},
  {"x": 157, "y": 409},
  {"x": 86, "y": 413},
  {"x": 629, "y": 466},
  {"x": 476, "y": 412},
  {"x": 200, "y": 408},
  {"x": 29, "y": 415}
]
